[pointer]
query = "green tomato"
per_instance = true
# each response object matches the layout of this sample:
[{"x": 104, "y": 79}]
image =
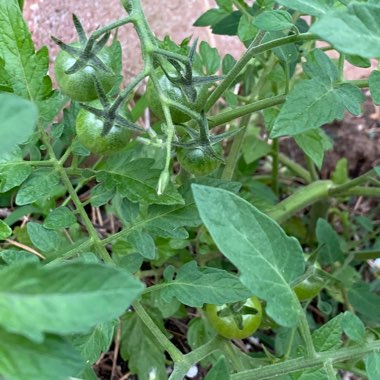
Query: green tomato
[
  {"x": 89, "y": 130},
  {"x": 235, "y": 321},
  {"x": 198, "y": 160},
  {"x": 309, "y": 288},
  {"x": 80, "y": 85},
  {"x": 174, "y": 92}
]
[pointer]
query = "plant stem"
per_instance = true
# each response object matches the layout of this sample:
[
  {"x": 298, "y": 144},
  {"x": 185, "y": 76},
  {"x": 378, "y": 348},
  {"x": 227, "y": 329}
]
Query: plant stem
[
  {"x": 253, "y": 50},
  {"x": 299, "y": 364},
  {"x": 294, "y": 167},
  {"x": 306, "y": 335},
  {"x": 226, "y": 116},
  {"x": 336, "y": 190},
  {"x": 302, "y": 198},
  {"x": 275, "y": 165},
  {"x": 172, "y": 350}
]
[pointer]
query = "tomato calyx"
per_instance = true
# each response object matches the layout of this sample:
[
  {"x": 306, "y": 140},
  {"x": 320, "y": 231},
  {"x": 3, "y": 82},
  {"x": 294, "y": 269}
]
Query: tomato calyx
[
  {"x": 86, "y": 52},
  {"x": 237, "y": 310},
  {"x": 109, "y": 114}
]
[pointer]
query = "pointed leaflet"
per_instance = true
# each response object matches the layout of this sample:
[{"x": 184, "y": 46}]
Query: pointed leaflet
[
  {"x": 345, "y": 29},
  {"x": 372, "y": 365},
  {"x": 310, "y": 7},
  {"x": 18, "y": 120},
  {"x": 137, "y": 181},
  {"x": 194, "y": 287},
  {"x": 63, "y": 299},
  {"x": 54, "y": 358},
  {"x": 24, "y": 68},
  {"x": 267, "y": 259}
]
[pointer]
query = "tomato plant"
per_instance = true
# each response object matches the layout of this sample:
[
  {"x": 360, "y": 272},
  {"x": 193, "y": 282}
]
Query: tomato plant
[
  {"x": 175, "y": 93},
  {"x": 117, "y": 258},
  {"x": 80, "y": 85},
  {"x": 89, "y": 129},
  {"x": 235, "y": 321}
]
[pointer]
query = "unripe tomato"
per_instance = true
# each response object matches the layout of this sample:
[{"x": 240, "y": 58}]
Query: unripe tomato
[
  {"x": 235, "y": 321},
  {"x": 89, "y": 130},
  {"x": 198, "y": 160},
  {"x": 174, "y": 92},
  {"x": 80, "y": 85},
  {"x": 309, "y": 288}
]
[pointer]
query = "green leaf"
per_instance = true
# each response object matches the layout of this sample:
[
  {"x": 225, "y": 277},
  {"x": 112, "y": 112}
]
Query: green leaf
[
  {"x": 374, "y": 86},
  {"x": 26, "y": 69},
  {"x": 143, "y": 243},
  {"x": 310, "y": 7},
  {"x": 38, "y": 185},
  {"x": 350, "y": 25},
  {"x": 328, "y": 243},
  {"x": 329, "y": 336},
  {"x": 313, "y": 103},
  {"x": 18, "y": 120},
  {"x": 47, "y": 241},
  {"x": 314, "y": 144},
  {"x": 210, "y": 17},
  {"x": 340, "y": 174},
  {"x": 364, "y": 301},
  {"x": 52, "y": 358},
  {"x": 372, "y": 365},
  {"x": 63, "y": 299},
  {"x": 219, "y": 370},
  {"x": 5, "y": 230},
  {"x": 267, "y": 259},
  {"x": 353, "y": 327},
  {"x": 254, "y": 148},
  {"x": 138, "y": 342},
  {"x": 91, "y": 345},
  {"x": 194, "y": 287},
  {"x": 210, "y": 57},
  {"x": 228, "y": 25},
  {"x": 319, "y": 65},
  {"x": 60, "y": 217},
  {"x": 273, "y": 21},
  {"x": 16, "y": 256},
  {"x": 246, "y": 29},
  {"x": 225, "y": 5},
  {"x": 137, "y": 181},
  {"x": 13, "y": 171}
]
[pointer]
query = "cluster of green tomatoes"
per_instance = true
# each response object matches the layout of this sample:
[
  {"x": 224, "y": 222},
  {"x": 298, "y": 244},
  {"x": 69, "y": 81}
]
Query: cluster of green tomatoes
[{"x": 81, "y": 86}]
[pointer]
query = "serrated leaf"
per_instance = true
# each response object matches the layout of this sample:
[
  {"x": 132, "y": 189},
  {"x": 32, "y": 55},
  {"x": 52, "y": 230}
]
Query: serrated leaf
[
  {"x": 364, "y": 301},
  {"x": 350, "y": 25},
  {"x": 63, "y": 299},
  {"x": 273, "y": 21},
  {"x": 52, "y": 358},
  {"x": 18, "y": 120},
  {"x": 13, "y": 171},
  {"x": 353, "y": 327},
  {"x": 91, "y": 345},
  {"x": 372, "y": 365},
  {"x": 374, "y": 86},
  {"x": 246, "y": 30},
  {"x": 314, "y": 144},
  {"x": 319, "y": 65},
  {"x": 329, "y": 336},
  {"x": 194, "y": 287},
  {"x": 143, "y": 243},
  {"x": 5, "y": 230},
  {"x": 60, "y": 217},
  {"x": 310, "y": 7},
  {"x": 16, "y": 256},
  {"x": 137, "y": 181},
  {"x": 351, "y": 96},
  {"x": 138, "y": 342},
  {"x": 37, "y": 186},
  {"x": 210, "y": 57},
  {"x": 219, "y": 370},
  {"x": 267, "y": 259},
  {"x": 328, "y": 243},
  {"x": 26, "y": 69},
  {"x": 47, "y": 241},
  {"x": 309, "y": 105}
]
